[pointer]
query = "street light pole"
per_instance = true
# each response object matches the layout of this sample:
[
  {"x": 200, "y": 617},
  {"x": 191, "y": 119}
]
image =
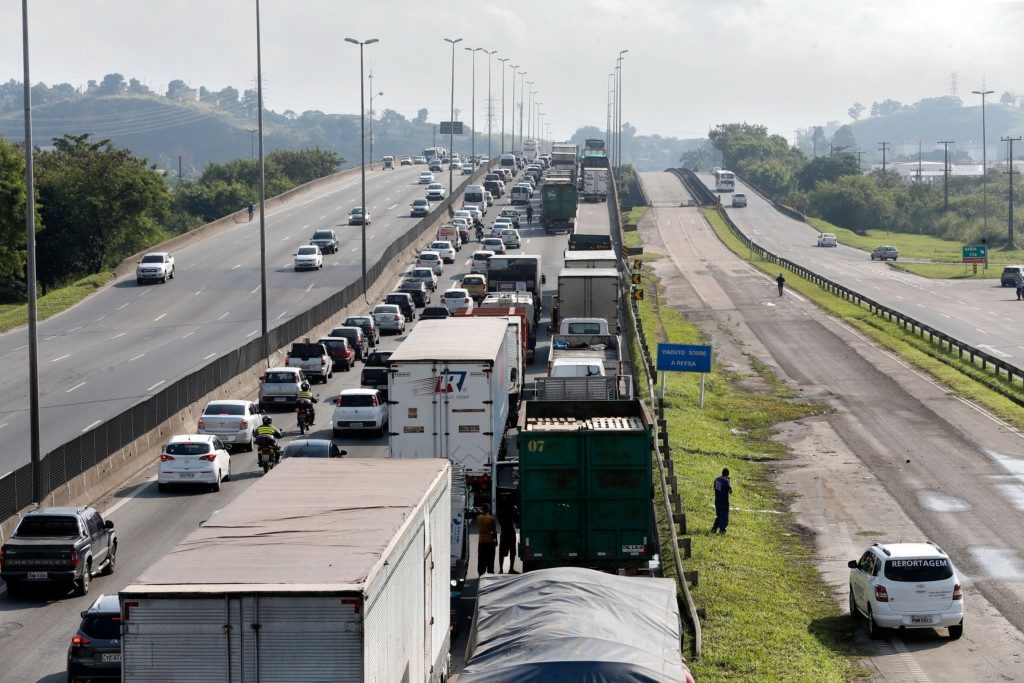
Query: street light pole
[
  {"x": 362, "y": 147},
  {"x": 252, "y": 143},
  {"x": 451, "y": 117},
  {"x": 490, "y": 103},
  {"x": 263, "y": 178},
  {"x": 503, "y": 60},
  {"x": 472, "y": 138},
  {"x": 529, "y": 113},
  {"x": 1009, "y": 225},
  {"x": 608, "y": 114},
  {"x": 381, "y": 94},
  {"x": 512, "y": 141},
  {"x": 522, "y": 106},
  {"x": 984, "y": 165},
  {"x": 619, "y": 92}
]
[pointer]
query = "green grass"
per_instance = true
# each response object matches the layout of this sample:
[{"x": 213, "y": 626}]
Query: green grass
[
  {"x": 769, "y": 614},
  {"x": 959, "y": 376},
  {"x": 945, "y": 254},
  {"x": 634, "y": 215},
  {"x": 55, "y": 301}
]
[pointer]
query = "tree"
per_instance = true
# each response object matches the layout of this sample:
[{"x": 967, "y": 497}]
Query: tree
[
  {"x": 421, "y": 115},
  {"x": 98, "y": 204},
  {"x": 1007, "y": 98},
  {"x": 250, "y": 102},
  {"x": 826, "y": 169},
  {"x": 885, "y": 108},
  {"x": 844, "y": 138},
  {"x": 853, "y": 201},
  {"x": 176, "y": 89},
  {"x": 12, "y": 210},
  {"x": 309, "y": 164},
  {"x": 855, "y": 111},
  {"x": 137, "y": 87},
  {"x": 112, "y": 84}
]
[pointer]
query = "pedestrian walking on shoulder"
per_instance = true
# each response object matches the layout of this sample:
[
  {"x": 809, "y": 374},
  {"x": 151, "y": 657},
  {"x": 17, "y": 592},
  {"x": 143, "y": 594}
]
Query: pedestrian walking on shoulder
[
  {"x": 722, "y": 490},
  {"x": 252, "y": 210},
  {"x": 781, "y": 282},
  {"x": 1018, "y": 281},
  {"x": 529, "y": 213},
  {"x": 508, "y": 519},
  {"x": 487, "y": 540}
]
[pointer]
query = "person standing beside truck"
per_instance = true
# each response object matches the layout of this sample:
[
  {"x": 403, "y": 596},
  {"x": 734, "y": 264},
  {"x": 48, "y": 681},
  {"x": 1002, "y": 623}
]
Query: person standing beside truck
[
  {"x": 487, "y": 540},
  {"x": 723, "y": 487},
  {"x": 508, "y": 518}
]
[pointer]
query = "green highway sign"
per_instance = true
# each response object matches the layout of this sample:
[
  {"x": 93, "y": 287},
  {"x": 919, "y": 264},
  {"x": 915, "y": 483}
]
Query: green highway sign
[{"x": 975, "y": 253}]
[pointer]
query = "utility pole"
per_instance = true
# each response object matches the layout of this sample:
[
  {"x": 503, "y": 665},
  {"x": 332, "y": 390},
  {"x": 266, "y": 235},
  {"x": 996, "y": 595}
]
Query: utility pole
[
  {"x": 884, "y": 147},
  {"x": 945, "y": 173},
  {"x": 984, "y": 162},
  {"x": 1009, "y": 224},
  {"x": 522, "y": 106},
  {"x": 362, "y": 147},
  {"x": 472, "y": 137},
  {"x": 451, "y": 117},
  {"x": 608, "y": 132},
  {"x": 919, "y": 169},
  {"x": 860, "y": 166},
  {"x": 179, "y": 170},
  {"x": 435, "y": 135},
  {"x": 490, "y": 104},
  {"x": 503, "y": 60},
  {"x": 512, "y": 140},
  {"x": 371, "y": 116}
]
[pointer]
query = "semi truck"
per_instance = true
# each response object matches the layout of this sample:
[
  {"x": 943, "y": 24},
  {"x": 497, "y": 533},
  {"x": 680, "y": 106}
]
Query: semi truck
[
  {"x": 586, "y": 293},
  {"x": 591, "y": 258},
  {"x": 448, "y": 390},
  {"x": 326, "y": 570},
  {"x": 585, "y": 485},
  {"x": 595, "y": 184},
  {"x": 558, "y": 202},
  {"x": 515, "y": 348},
  {"x": 517, "y": 273}
]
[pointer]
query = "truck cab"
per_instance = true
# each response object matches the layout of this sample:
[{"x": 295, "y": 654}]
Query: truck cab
[
  {"x": 577, "y": 367},
  {"x": 583, "y": 326}
]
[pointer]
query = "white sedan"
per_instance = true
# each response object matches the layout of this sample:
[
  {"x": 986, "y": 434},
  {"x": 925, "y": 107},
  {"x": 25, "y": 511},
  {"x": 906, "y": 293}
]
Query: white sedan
[
  {"x": 511, "y": 239},
  {"x": 426, "y": 177},
  {"x": 232, "y": 421},
  {"x": 454, "y": 299},
  {"x": 430, "y": 259},
  {"x": 389, "y": 318},
  {"x": 445, "y": 249},
  {"x": 359, "y": 410},
  {"x": 494, "y": 244},
  {"x": 436, "y": 191},
  {"x": 309, "y": 257},
  {"x": 193, "y": 459}
]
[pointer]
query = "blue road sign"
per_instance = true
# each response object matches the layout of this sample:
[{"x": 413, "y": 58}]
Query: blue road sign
[{"x": 684, "y": 358}]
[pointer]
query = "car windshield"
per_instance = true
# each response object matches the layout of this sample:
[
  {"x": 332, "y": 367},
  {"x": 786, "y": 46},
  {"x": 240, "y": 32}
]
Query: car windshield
[
  {"x": 356, "y": 211},
  {"x": 187, "y": 448},
  {"x": 456, "y": 294},
  {"x": 307, "y": 450},
  {"x": 397, "y": 298},
  {"x": 356, "y": 322},
  {"x": 335, "y": 344},
  {"x": 102, "y": 627},
  {"x": 307, "y": 251},
  {"x": 420, "y": 202},
  {"x": 491, "y": 240},
  {"x": 43, "y": 526},
  {"x": 429, "y": 257},
  {"x": 355, "y": 400},
  {"x": 471, "y": 280},
  {"x": 584, "y": 328},
  {"x": 153, "y": 258},
  {"x": 441, "y": 245},
  {"x": 392, "y": 310},
  {"x": 434, "y": 311},
  {"x": 280, "y": 378},
  {"x": 322, "y": 235},
  {"x": 423, "y": 272},
  {"x": 224, "y": 409},
  {"x": 918, "y": 570}
]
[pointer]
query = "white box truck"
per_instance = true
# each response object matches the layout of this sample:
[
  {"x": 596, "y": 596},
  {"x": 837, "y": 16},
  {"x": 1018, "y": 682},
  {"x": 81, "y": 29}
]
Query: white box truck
[
  {"x": 590, "y": 258},
  {"x": 326, "y": 570},
  {"x": 595, "y": 184},
  {"x": 448, "y": 385},
  {"x": 587, "y": 293}
]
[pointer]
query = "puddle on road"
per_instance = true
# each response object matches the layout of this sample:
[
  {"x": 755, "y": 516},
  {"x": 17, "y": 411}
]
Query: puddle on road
[
  {"x": 998, "y": 563},
  {"x": 940, "y": 502}
]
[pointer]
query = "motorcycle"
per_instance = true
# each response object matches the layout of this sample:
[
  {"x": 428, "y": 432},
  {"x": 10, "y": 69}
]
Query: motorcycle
[
  {"x": 304, "y": 415},
  {"x": 267, "y": 454}
]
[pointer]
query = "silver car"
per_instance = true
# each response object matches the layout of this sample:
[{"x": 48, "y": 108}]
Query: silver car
[
  {"x": 280, "y": 386},
  {"x": 232, "y": 421},
  {"x": 424, "y": 275},
  {"x": 389, "y": 318}
]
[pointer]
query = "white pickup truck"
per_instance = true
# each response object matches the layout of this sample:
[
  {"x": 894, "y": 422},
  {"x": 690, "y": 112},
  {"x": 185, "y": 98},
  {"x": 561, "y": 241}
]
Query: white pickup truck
[{"x": 157, "y": 265}]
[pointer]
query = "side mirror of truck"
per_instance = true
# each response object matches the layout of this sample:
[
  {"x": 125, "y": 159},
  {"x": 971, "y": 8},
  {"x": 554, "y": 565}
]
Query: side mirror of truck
[
  {"x": 515, "y": 375},
  {"x": 108, "y": 524},
  {"x": 549, "y": 329},
  {"x": 543, "y": 279}
]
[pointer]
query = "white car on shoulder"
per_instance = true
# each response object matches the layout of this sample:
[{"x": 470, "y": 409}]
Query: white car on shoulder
[
  {"x": 510, "y": 237},
  {"x": 906, "y": 586},
  {"x": 359, "y": 410},
  {"x": 193, "y": 459},
  {"x": 827, "y": 239},
  {"x": 454, "y": 299},
  {"x": 430, "y": 259},
  {"x": 389, "y": 318},
  {"x": 309, "y": 257},
  {"x": 445, "y": 249},
  {"x": 478, "y": 261}
]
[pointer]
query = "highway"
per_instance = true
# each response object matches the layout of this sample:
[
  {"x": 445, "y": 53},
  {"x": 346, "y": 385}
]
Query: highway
[
  {"x": 128, "y": 341},
  {"x": 35, "y": 632},
  {"x": 977, "y": 312},
  {"x": 896, "y": 459}
]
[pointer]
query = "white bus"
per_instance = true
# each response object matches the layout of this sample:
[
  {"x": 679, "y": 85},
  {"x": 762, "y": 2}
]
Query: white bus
[
  {"x": 530, "y": 149},
  {"x": 725, "y": 181}
]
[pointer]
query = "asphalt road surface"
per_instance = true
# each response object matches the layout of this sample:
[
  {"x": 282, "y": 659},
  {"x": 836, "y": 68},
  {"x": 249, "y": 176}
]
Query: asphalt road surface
[
  {"x": 128, "y": 341},
  {"x": 978, "y": 312},
  {"x": 899, "y": 459},
  {"x": 35, "y": 632}
]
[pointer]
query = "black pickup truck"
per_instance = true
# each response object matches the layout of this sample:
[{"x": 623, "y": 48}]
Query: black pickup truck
[
  {"x": 65, "y": 546},
  {"x": 375, "y": 372}
]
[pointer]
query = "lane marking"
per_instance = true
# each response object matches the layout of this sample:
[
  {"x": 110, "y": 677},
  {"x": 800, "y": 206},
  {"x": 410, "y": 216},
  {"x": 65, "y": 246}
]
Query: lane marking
[
  {"x": 309, "y": 288},
  {"x": 117, "y": 336},
  {"x": 91, "y": 425},
  {"x": 156, "y": 385},
  {"x": 121, "y": 306},
  {"x": 189, "y": 334},
  {"x": 136, "y": 357},
  {"x": 159, "y": 317},
  {"x": 237, "y": 265},
  {"x": 282, "y": 314},
  {"x": 77, "y": 386},
  {"x": 253, "y": 333},
  {"x": 390, "y": 207},
  {"x": 19, "y": 348},
  {"x": 981, "y": 330},
  {"x": 208, "y": 357},
  {"x": 66, "y": 355},
  {"x": 256, "y": 290},
  {"x": 224, "y": 316}
]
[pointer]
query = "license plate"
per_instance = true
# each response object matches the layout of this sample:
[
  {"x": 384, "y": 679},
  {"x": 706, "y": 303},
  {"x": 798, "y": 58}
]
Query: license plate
[
  {"x": 37, "y": 575},
  {"x": 111, "y": 657},
  {"x": 186, "y": 475},
  {"x": 279, "y": 398},
  {"x": 920, "y": 620}
]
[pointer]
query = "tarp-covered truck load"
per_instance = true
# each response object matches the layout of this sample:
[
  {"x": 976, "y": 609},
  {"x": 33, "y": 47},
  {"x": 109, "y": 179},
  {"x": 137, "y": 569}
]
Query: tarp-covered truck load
[{"x": 574, "y": 624}]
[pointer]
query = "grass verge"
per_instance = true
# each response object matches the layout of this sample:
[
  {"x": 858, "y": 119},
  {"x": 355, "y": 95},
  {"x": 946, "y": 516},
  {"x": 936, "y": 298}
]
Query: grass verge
[
  {"x": 946, "y": 366},
  {"x": 769, "y": 614},
  {"x": 55, "y": 301}
]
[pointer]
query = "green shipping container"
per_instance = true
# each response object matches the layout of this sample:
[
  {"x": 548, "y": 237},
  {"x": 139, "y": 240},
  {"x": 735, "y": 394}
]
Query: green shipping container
[
  {"x": 558, "y": 202},
  {"x": 585, "y": 484}
]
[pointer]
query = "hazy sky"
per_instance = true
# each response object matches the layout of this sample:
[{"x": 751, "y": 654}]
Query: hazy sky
[{"x": 691, "y": 63}]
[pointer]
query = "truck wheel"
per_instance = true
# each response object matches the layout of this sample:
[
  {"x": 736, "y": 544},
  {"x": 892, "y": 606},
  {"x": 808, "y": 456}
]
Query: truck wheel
[
  {"x": 162, "y": 488},
  {"x": 336, "y": 433},
  {"x": 108, "y": 568},
  {"x": 13, "y": 590},
  {"x": 82, "y": 584}
]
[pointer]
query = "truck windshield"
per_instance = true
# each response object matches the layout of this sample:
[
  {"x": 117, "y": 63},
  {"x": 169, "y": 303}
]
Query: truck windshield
[
  {"x": 43, "y": 526},
  {"x": 584, "y": 328},
  {"x": 153, "y": 258}
]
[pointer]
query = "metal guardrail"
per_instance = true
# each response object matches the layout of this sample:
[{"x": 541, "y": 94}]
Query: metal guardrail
[
  {"x": 71, "y": 459},
  {"x": 989, "y": 362},
  {"x": 666, "y": 467}
]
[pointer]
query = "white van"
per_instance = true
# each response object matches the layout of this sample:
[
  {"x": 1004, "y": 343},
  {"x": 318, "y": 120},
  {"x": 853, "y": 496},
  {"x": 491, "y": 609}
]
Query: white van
[
  {"x": 508, "y": 161},
  {"x": 520, "y": 195},
  {"x": 475, "y": 194}
]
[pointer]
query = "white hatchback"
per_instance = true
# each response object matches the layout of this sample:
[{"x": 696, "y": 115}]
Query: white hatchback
[
  {"x": 827, "y": 239},
  {"x": 454, "y": 299},
  {"x": 478, "y": 262},
  {"x": 309, "y": 258},
  {"x": 501, "y": 224},
  {"x": 906, "y": 586},
  {"x": 511, "y": 239},
  {"x": 426, "y": 177},
  {"x": 193, "y": 459},
  {"x": 445, "y": 249},
  {"x": 430, "y": 259},
  {"x": 493, "y": 244},
  {"x": 359, "y": 410}
]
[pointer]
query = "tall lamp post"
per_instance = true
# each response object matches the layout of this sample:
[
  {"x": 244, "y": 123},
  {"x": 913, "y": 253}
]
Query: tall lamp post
[
  {"x": 512, "y": 141},
  {"x": 381, "y": 94},
  {"x": 615, "y": 119},
  {"x": 263, "y": 179},
  {"x": 362, "y": 145},
  {"x": 619, "y": 93},
  {"x": 252, "y": 143},
  {"x": 608, "y": 114},
  {"x": 472, "y": 137},
  {"x": 490, "y": 103},
  {"x": 984, "y": 166},
  {"x": 451, "y": 117},
  {"x": 522, "y": 107},
  {"x": 529, "y": 111},
  {"x": 503, "y": 60}
]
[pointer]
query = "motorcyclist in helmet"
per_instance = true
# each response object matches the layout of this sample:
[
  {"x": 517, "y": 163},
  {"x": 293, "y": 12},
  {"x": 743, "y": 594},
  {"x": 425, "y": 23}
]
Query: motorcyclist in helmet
[
  {"x": 479, "y": 229},
  {"x": 267, "y": 432},
  {"x": 306, "y": 399}
]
